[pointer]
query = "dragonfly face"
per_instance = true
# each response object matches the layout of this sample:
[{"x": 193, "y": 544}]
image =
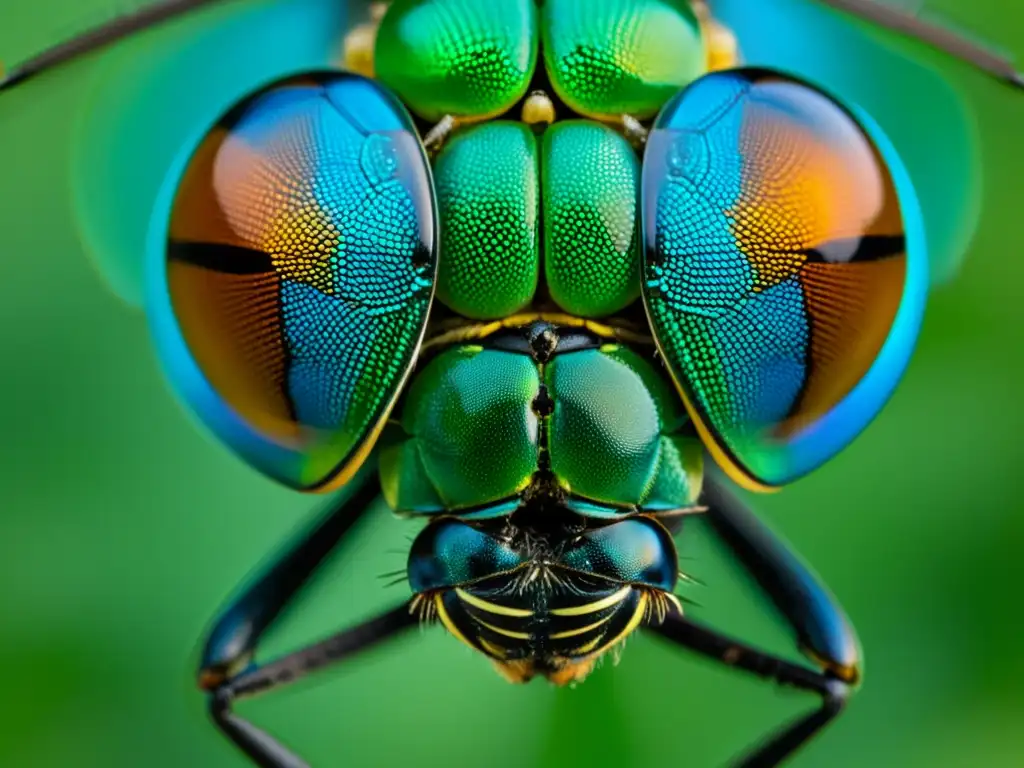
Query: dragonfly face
[
  {"x": 771, "y": 235},
  {"x": 483, "y": 309}
]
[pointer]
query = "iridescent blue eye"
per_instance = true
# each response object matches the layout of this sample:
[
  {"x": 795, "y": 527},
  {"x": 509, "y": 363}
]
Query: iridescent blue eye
[
  {"x": 298, "y": 275},
  {"x": 637, "y": 551},
  {"x": 450, "y": 553},
  {"x": 785, "y": 268}
]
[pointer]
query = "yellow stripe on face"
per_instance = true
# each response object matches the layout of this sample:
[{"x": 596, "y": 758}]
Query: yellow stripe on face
[
  {"x": 494, "y": 608},
  {"x": 583, "y": 650},
  {"x": 495, "y": 651},
  {"x": 581, "y": 630},
  {"x": 447, "y": 621},
  {"x": 600, "y": 605},
  {"x": 634, "y": 622},
  {"x": 638, "y": 615},
  {"x": 505, "y": 632}
]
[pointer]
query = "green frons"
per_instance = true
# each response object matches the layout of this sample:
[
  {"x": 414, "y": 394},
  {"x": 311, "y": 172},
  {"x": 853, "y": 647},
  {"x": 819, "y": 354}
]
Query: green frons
[
  {"x": 590, "y": 178},
  {"x": 488, "y": 198}
]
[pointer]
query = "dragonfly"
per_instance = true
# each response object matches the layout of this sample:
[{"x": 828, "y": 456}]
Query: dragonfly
[{"x": 821, "y": 627}]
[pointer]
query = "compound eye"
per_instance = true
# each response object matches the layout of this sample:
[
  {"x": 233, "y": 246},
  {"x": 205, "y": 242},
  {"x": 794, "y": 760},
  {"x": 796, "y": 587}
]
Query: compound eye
[
  {"x": 609, "y": 58},
  {"x": 298, "y": 272},
  {"x": 448, "y": 553},
  {"x": 466, "y": 58},
  {"x": 784, "y": 268},
  {"x": 637, "y": 550}
]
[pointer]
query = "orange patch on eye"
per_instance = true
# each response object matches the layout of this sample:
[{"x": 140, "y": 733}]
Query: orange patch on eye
[
  {"x": 301, "y": 243},
  {"x": 234, "y": 195},
  {"x": 851, "y": 308},
  {"x": 232, "y": 326},
  {"x": 198, "y": 216},
  {"x": 805, "y": 185}
]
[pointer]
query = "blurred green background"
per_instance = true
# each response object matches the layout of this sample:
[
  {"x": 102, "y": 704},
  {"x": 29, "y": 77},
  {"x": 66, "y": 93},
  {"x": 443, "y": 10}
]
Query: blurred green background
[{"x": 123, "y": 525}]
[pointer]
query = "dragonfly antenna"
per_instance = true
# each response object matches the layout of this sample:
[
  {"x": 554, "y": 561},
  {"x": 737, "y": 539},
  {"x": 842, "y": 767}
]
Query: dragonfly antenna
[
  {"x": 96, "y": 38},
  {"x": 936, "y": 35}
]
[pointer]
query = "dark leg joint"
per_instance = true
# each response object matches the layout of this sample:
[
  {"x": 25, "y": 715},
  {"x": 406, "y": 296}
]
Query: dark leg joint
[
  {"x": 257, "y": 745},
  {"x": 834, "y": 695}
]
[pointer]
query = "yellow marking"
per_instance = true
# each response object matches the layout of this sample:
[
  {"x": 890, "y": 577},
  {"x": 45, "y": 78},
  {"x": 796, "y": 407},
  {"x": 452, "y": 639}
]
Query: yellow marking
[
  {"x": 447, "y": 621},
  {"x": 718, "y": 453},
  {"x": 848, "y": 673},
  {"x": 559, "y": 318},
  {"x": 585, "y": 649},
  {"x": 492, "y": 649},
  {"x": 580, "y": 610},
  {"x": 719, "y": 41},
  {"x": 538, "y": 108},
  {"x": 349, "y": 469},
  {"x": 581, "y": 630},
  {"x": 478, "y": 331},
  {"x": 360, "y": 42},
  {"x": 505, "y": 632},
  {"x": 722, "y": 48},
  {"x": 483, "y": 605},
  {"x": 634, "y": 622},
  {"x": 465, "y": 333}
]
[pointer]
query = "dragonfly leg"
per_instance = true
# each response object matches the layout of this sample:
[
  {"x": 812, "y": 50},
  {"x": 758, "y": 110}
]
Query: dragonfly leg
[
  {"x": 263, "y": 749},
  {"x": 822, "y": 630},
  {"x": 227, "y": 671}
]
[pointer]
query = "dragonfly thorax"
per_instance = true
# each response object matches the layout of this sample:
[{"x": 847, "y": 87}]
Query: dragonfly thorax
[{"x": 538, "y": 412}]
